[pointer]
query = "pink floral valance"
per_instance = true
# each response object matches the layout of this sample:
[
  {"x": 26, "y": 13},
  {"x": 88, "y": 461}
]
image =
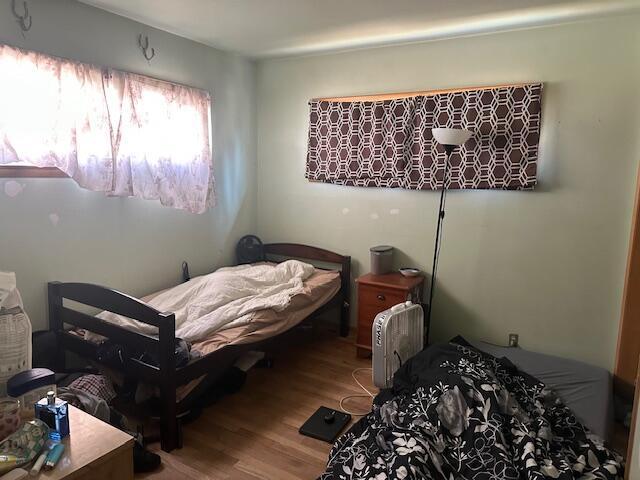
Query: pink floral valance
[
  {"x": 388, "y": 143},
  {"x": 111, "y": 131}
]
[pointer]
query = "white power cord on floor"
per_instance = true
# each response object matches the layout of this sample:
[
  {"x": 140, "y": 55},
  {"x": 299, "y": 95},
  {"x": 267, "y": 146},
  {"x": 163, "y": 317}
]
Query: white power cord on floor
[{"x": 358, "y": 395}]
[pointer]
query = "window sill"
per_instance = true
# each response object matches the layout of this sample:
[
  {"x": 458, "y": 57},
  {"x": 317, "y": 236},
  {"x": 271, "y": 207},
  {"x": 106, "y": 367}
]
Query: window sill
[{"x": 20, "y": 171}]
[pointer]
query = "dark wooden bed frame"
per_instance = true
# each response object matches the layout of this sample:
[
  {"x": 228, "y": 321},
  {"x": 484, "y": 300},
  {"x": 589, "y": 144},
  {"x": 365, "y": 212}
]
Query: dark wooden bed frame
[{"x": 166, "y": 376}]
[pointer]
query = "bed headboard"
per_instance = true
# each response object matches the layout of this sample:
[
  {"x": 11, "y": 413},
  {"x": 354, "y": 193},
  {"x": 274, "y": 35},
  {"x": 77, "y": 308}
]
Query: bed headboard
[
  {"x": 307, "y": 252},
  {"x": 315, "y": 254},
  {"x": 250, "y": 249}
]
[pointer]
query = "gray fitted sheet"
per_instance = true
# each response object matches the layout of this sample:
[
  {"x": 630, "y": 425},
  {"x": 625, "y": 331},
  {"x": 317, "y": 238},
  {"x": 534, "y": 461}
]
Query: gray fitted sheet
[{"x": 585, "y": 389}]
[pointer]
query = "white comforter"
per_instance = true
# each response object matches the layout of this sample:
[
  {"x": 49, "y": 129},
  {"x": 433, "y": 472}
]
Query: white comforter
[{"x": 225, "y": 298}]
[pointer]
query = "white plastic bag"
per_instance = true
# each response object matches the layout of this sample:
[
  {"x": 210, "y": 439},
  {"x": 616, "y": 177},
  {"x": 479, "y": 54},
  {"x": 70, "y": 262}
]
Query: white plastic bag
[{"x": 15, "y": 332}]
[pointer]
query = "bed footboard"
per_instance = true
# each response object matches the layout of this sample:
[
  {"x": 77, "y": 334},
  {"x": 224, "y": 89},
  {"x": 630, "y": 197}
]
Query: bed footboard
[{"x": 163, "y": 375}]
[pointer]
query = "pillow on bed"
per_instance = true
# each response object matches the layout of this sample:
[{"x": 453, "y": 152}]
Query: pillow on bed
[{"x": 586, "y": 389}]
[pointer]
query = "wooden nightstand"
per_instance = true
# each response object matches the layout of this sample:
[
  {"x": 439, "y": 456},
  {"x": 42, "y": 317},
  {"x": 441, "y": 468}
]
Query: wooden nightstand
[{"x": 380, "y": 292}]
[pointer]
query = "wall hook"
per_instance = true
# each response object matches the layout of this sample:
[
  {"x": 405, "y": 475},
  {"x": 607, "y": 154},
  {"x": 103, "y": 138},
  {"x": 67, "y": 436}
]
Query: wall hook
[
  {"x": 25, "y": 20},
  {"x": 144, "y": 46}
]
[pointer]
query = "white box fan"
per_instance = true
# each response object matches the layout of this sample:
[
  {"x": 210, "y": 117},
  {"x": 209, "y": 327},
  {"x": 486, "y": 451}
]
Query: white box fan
[{"x": 397, "y": 335}]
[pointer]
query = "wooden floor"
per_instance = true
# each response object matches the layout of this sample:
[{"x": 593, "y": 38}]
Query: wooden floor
[{"x": 253, "y": 434}]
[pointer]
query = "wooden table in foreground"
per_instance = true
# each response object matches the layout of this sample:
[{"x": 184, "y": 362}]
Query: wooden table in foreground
[{"x": 93, "y": 450}]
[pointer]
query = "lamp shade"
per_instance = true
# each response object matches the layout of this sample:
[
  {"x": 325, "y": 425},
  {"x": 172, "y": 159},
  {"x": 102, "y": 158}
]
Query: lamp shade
[{"x": 451, "y": 136}]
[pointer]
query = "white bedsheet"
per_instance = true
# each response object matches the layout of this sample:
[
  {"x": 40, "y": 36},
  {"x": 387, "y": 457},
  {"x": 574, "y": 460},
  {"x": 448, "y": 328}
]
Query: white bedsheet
[{"x": 223, "y": 299}]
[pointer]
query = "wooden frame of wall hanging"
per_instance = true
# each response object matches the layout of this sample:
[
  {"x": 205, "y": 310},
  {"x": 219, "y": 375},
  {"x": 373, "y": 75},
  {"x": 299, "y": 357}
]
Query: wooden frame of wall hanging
[{"x": 425, "y": 93}]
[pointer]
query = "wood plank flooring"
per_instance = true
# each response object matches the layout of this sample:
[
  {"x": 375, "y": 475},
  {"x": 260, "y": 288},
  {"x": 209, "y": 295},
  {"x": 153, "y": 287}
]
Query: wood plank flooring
[{"x": 253, "y": 434}]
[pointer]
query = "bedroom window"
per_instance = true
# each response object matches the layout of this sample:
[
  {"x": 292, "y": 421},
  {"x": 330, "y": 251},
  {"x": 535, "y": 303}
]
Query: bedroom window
[
  {"x": 111, "y": 131},
  {"x": 386, "y": 140}
]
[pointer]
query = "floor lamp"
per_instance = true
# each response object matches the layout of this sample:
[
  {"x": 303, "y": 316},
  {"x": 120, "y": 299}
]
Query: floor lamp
[{"x": 450, "y": 138}]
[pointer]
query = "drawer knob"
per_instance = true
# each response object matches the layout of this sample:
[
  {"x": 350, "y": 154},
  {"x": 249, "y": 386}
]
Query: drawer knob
[{"x": 381, "y": 297}]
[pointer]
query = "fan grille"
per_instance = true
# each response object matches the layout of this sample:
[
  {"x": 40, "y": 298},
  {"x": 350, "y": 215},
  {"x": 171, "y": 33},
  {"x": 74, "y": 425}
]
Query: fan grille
[{"x": 398, "y": 336}]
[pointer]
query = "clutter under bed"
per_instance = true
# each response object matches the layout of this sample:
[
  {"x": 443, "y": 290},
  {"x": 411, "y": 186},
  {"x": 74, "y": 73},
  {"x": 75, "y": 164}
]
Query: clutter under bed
[
  {"x": 456, "y": 412},
  {"x": 230, "y": 297}
]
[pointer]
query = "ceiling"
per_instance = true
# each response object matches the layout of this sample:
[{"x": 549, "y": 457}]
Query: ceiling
[{"x": 264, "y": 28}]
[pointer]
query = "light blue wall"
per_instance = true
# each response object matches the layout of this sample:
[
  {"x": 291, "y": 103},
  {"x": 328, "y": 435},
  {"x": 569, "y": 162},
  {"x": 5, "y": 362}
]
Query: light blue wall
[
  {"x": 130, "y": 244},
  {"x": 547, "y": 264}
]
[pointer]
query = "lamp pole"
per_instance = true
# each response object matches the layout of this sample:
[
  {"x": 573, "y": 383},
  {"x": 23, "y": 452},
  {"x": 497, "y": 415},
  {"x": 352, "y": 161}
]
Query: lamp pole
[
  {"x": 450, "y": 138},
  {"x": 436, "y": 249}
]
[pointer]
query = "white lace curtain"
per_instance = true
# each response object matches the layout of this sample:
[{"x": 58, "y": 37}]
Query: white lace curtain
[{"x": 111, "y": 131}]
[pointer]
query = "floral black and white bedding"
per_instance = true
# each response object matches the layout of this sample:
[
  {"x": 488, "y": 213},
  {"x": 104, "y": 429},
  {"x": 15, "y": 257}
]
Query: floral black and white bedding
[{"x": 457, "y": 413}]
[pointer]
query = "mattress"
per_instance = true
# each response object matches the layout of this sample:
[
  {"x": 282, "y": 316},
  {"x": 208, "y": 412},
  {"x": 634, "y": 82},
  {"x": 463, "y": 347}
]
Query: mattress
[
  {"x": 319, "y": 289},
  {"x": 587, "y": 390},
  {"x": 457, "y": 412}
]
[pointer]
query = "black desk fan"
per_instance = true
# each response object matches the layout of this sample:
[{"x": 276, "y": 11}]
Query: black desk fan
[{"x": 249, "y": 249}]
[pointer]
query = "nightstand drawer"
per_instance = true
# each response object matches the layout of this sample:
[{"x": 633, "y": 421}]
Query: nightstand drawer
[
  {"x": 364, "y": 335},
  {"x": 377, "y": 293},
  {"x": 366, "y": 316},
  {"x": 381, "y": 298}
]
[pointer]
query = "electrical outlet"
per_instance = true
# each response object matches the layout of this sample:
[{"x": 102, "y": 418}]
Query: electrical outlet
[{"x": 513, "y": 339}]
